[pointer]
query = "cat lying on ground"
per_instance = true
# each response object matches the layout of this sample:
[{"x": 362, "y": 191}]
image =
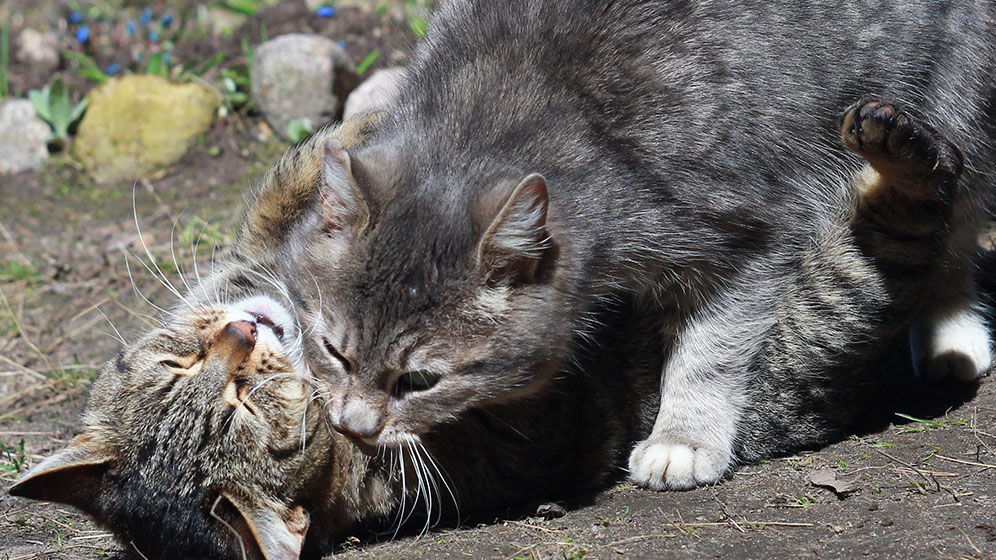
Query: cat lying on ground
[
  {"x": 545, "y": 158},
  {"x": 208, "y": 437}
]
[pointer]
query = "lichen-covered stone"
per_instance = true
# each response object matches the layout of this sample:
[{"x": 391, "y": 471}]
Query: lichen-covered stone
[
  {"x": 23, "y": 137},
  {"x": 301, "y": 76},
  {"x": 138, "y": 124}
]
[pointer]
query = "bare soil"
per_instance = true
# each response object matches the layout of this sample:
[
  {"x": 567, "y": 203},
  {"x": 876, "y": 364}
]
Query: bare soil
[{"x": 922, "y": 487}]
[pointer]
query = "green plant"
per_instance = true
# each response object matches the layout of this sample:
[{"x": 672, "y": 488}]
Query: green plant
[
  {"x": 299, "y": 129},
  {"x": 4, "y": 60},
  {"x": 416, "y": 12},
  {"x": 16, "y": 459},
  {"x": 365, "y": 64},
  {"x": 53, "y": 105},
  {"x": 244, "y": 7},
  {"x": 86, "y": 67}
]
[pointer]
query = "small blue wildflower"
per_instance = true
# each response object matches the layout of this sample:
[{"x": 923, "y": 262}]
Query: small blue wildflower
[
  {"x": 130, "y": 26},
  {"x": 342, "y": 44},
  {"x": 83, "y": 34},
  {"x": 146, "y": 17},
  {"x": 112, "y": 69},
  {"x": 153, "y": 36},
  {"x": 325, "y": 11},
  {"x": 167, "y": 21},
  {"x": 75, "y": 17}
]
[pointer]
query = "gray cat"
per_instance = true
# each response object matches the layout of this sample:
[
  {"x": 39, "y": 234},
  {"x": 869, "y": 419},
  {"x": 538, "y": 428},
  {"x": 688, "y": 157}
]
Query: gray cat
[
  {"x": 207, "y": 439},
  {"x": 545, "y": 158}
]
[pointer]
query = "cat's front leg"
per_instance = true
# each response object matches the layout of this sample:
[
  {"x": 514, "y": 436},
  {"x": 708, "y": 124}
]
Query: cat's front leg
[{"x": 704, "y": 393}]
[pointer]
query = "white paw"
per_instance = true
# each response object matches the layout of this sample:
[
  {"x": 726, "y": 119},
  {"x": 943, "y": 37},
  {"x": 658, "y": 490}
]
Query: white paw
[
  {"x": 663, "y": 464},
  {"x": 957, "y": 347}
]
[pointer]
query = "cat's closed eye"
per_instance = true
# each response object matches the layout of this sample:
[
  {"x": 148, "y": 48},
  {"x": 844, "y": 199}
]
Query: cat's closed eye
[
  {"x": 182, "y": 365},
  {"x": 332, "y": 351},
  {"x": 419, "y": 380}
]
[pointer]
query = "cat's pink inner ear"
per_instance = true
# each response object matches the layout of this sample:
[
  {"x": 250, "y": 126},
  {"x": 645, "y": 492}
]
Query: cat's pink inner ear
[
  {"x": 342, "y": 203},
  {"x": 278, "y": 531},
  {"x": 73, "y": 476},
  {"x": 517, "y": 238}
]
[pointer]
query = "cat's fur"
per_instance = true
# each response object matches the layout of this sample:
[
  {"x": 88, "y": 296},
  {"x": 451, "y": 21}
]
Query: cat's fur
[
  {"x": 204, "y": 440},
  {"x": 438, "y": 272}
]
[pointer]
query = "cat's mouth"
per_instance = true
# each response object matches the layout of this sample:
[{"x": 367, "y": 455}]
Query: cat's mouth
[{"x": 268, "y": 315}]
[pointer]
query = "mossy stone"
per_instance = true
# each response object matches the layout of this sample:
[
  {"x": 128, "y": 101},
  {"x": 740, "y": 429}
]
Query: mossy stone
[{"x": 138, "y": 124}]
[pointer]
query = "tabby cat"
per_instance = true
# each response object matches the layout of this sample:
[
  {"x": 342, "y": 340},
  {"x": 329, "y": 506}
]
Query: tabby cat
[
  {"x": 544, "y": 158},
  {"x": 207, "y": 438}
]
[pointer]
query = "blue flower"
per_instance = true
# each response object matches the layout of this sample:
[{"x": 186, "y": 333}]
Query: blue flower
[
  {"x": 146, "y": 17},
  {"x": 325, "y": 11},
  {"x": 342, "y": 44},
  {"x": 167, "y": 21},
  {"x": 112, "y": 69},
  {"x": 75, "y": 17},
  {"x": 83, "y": 34},
  {"x": 131, "y": 27},
  {"x": 153, "y": 36}
]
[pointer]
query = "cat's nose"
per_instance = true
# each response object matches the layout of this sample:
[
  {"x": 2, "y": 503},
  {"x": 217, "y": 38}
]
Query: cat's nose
[
  {"x": 359, "y": 420},
  {"x": 236, "y": 339}
]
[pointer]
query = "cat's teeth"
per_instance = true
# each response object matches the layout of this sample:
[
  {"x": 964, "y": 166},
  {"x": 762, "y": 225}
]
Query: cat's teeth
[{"x": 266, "y": 312}]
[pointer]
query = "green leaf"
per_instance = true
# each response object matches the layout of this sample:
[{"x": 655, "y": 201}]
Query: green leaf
[
  {"x": 363, "y": 66},
  {"x": 208, "y": 64},
  {"x": 418, "y": 25},
  {"x": 39, "y": 100},
  {"x": 156, "y": 66},
  {"x": 86, "y": 66},
  {"x": 78, "y": 110},
  {"x": 299, "y": 129}
]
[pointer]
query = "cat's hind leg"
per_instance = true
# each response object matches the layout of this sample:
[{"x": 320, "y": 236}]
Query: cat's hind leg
[{"x": 911, "y": 167}]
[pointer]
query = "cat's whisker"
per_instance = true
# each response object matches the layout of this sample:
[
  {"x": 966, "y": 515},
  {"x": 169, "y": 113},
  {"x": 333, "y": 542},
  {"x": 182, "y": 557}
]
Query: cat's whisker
[
  {"x": 242, "y": 545},
  {"x": 172, "y": 251},
  {"x": 137, "y": 551},
  {"x": 138, "y": 292},
  {"x": 116, "y": 331},
  {"x": 430, "y": 483},
  {"x": 404, "y": 491},
  {"x": 442, "y": 478},
  {"x": 197, "y": 243},
  {"x": 161, "y": 275}
]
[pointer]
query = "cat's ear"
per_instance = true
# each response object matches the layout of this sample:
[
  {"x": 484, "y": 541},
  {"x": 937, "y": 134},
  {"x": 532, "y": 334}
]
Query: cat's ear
[
  {"x": 343, "y": 205},
  {"x": 73, "y": 476},
  {"x": 277, "y": 531},
  {"x": 515, "y": 242}
]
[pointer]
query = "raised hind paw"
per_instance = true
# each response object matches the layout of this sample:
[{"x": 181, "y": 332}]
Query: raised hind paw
[
  {"x": 663, "y": 463},
  {"x": 894, "y": 142}
]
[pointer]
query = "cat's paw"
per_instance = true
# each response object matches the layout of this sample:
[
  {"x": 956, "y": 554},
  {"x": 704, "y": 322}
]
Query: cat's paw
[
  {"x": 892, "y": 140},
  {"x": 662, "y": 463},
  {"x": 956, "y": 346}
]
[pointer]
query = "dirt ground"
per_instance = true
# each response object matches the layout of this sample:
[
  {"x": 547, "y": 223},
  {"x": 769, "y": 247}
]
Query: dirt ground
[{"x": 922, "y": 487}]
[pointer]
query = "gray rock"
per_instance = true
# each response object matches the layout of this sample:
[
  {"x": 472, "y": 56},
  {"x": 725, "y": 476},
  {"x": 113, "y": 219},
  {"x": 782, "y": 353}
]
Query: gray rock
[
  {"x": 299, "y": 76},
  {"x": 23, "y": 137},
  {"x": 376, "y": 92},
  {"x": 38, "y": 49}
]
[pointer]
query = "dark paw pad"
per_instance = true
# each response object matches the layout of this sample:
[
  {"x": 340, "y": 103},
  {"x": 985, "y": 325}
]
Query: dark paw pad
[{"x": 885, "y": 135}]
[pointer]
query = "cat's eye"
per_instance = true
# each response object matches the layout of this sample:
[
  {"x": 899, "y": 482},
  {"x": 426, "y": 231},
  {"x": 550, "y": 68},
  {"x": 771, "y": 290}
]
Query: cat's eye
[
  {"x": 419, "y": 380},
  {"x": 182, "y": 365},
  {"x": 335, "y": 354}
]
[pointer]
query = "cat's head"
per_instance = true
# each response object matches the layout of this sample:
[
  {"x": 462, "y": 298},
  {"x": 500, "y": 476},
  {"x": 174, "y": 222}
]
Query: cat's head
[
  {"x": 422, "y": 297},
  {"x": 201, "y": 440}
]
